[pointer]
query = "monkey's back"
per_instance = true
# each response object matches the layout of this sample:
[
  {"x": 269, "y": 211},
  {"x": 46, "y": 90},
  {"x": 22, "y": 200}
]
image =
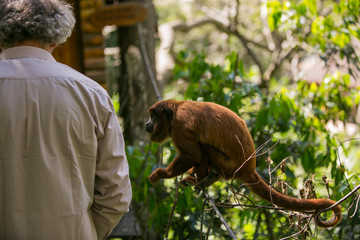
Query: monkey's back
[{"x": 220, "y": 128}]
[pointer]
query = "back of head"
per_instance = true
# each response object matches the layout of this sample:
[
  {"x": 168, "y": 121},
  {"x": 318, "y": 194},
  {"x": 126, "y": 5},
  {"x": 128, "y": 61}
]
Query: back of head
[{"x": 44, "y": 21}]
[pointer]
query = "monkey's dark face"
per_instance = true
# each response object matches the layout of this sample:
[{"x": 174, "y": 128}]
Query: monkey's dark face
[
  {"x": 149, "y": 127},
  {"x": 159, "y": 124}
]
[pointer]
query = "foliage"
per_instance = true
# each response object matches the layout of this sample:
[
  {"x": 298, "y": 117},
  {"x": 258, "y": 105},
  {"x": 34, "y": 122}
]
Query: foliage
[
  {"x": 223, "y": 85},
  {"x": 295, "y": 118},
  {"x": 328, "y": 27},
  {"x": 269, "y": 34},
  {"x": 142, "y": 160},
  {"x": 152, "y": 204}
]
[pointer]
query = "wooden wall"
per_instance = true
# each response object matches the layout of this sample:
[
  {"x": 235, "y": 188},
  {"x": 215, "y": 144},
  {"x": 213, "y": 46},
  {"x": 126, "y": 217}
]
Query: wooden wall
[
  {"x": 84, "y": 50},
  {"x": 71, "y": 52},
  {"x": 93, "y": 42}
]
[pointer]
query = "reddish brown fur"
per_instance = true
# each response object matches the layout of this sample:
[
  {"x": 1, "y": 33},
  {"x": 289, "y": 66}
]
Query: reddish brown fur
[{"x": 209, "y": 136}]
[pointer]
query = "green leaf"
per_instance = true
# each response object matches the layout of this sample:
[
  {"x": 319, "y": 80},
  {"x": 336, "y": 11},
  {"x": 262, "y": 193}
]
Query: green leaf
[
  {"x": 274, "y": 14},
  {"x": 311, "y": 5}
]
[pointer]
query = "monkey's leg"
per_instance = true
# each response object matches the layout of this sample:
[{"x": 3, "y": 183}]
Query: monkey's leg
[
  {"x": 192, "y": 171},
  {"x": 208, "y": 180},
  {"x": 205, "y": 179},
  {"x": 178, "y": 166},
  {"x": 197, "y": 173},
  {"x": 189, "y": 179}
]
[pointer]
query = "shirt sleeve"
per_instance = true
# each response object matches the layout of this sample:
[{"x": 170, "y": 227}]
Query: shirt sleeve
[{"x": 112, "y": 193}]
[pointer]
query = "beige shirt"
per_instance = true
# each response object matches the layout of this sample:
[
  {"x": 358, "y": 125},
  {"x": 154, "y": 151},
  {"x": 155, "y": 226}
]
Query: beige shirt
[{"x": 63, "y": 169}]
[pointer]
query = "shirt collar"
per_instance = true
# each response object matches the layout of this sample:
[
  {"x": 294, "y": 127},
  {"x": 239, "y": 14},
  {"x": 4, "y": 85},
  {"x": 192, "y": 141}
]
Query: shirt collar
[{"x": 26, "y": 52}]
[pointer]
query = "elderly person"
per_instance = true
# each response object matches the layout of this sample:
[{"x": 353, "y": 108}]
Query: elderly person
[{"x": 63, "y": 169}]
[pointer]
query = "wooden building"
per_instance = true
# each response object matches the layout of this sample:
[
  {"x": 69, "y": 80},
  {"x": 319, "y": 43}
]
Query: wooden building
[{"x": 84, "y": 50}]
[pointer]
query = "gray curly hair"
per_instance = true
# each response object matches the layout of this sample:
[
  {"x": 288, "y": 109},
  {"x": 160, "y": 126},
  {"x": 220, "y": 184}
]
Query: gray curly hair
[{"x": 44, "y": 21}]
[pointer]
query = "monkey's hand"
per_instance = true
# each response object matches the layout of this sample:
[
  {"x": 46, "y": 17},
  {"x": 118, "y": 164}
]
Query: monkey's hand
[
  {"x": 152, "y": 179},
  {"x": 155, "y": 176}
]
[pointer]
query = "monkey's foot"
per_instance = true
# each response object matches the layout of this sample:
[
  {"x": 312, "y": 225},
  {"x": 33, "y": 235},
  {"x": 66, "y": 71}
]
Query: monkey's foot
[
  {"x": 206, "y": 181},
  {"x": 188, "y": 180}
]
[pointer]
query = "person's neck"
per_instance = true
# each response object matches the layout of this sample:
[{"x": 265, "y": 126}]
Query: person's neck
[{"x": 31, "y": 43}]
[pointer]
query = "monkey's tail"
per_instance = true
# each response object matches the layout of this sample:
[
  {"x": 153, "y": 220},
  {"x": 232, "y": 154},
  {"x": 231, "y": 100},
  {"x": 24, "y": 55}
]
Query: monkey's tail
[{"x": 257, "y": 185}]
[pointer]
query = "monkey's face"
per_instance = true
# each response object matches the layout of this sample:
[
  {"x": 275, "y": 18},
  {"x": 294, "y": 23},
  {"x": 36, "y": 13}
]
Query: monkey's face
[
  {"x": 159, "y": 124},
  {"x": 149, "y": 127}
]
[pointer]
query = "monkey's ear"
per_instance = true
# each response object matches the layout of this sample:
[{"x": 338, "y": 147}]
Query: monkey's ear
[{"x": 168, "y": 112}]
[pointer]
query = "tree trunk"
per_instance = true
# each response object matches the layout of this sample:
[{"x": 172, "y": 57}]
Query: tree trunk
[{"x": 135, "y": 87}]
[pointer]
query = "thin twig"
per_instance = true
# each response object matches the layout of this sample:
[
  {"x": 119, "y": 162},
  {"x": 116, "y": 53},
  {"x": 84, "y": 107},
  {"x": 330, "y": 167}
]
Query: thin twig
[
  {"x": 270, "y": 179},
  {"x": 232, "y": 189},
  {"x": 298, "y": 233},
  {"x": 255, "y": 207},
  {"x": 242, "y": 147},
  {"x": 172, "y": 209},
  {"x": 282, "y": 162},
  {"x": 341, "y": 163},
  {"x": 282, "y": 225},
  {"x": 356, "y": 206},
  {"x": 202, "y": 219},
  {"x": 254, "y": 154},
  {"x": 338, "y": 202},
  {"x": 268, "y": 148},
  {"x": 211, "y": 222},
  {"x": 212, "y": 202},
  {"x": 347, "y": 181},
  {"x": 329, "y": 234}
]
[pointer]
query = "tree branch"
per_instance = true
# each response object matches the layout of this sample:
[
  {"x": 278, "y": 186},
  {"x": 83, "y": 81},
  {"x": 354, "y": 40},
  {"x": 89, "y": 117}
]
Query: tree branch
[{"x": 164, "y": 60}]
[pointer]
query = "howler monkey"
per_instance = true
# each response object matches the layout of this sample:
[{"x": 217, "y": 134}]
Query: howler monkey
[{"x": 209, "y": 137}]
